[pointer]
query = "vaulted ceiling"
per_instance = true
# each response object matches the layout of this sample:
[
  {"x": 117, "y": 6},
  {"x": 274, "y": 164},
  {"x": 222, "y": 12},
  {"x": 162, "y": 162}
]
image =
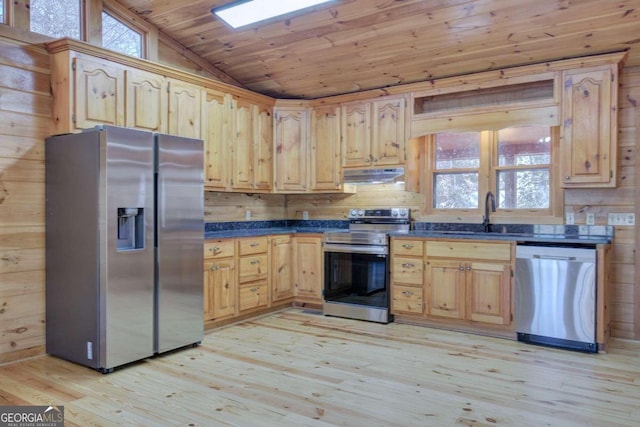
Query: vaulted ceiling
[{"x": 353, "y": 45}]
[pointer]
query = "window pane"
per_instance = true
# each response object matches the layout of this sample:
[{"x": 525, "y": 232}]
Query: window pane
[
  {"x": 523, "y": 189},
  {"x": 457, "y": 150},
  {"x": 118, "y": 36},
  {"x": 455, "y": 191},
  {"x": 1, "y": 12},
  {"x": 56, "y": 18},
  {"x": 526, "y": 145}
]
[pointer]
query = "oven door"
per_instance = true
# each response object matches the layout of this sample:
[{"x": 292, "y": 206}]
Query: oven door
[{"x": 356, "y": 274}]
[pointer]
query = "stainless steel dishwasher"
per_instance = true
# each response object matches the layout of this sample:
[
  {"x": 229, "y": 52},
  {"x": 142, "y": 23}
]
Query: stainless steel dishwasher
[{"x": 556, "y": 296}]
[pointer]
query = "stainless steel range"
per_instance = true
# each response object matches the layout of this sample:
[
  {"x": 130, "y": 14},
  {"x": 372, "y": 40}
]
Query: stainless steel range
[{"x": 356, "y": 264}]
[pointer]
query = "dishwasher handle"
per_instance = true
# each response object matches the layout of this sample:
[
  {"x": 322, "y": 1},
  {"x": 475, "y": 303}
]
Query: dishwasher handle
[{"x": 555, "y": 258}]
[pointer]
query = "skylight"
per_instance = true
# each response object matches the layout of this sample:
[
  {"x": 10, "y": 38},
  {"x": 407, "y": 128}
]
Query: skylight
[{"x": 248, "y": 12}]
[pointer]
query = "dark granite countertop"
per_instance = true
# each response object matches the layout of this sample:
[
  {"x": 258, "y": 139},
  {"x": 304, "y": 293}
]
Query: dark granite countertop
[
  {"x": 517, "y": 237},
  {"x": 525, "y": 233}
]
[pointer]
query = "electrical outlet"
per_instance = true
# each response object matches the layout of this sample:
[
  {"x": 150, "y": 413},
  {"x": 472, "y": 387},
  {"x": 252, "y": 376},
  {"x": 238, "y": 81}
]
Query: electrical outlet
[
  {"x": 305, "y": 214},
  {"x": 591, "y": 219},
  {"x": 569, "y": 218},
  {"x": 622, "y": 219},
  {"x": 247, "y": 215}
]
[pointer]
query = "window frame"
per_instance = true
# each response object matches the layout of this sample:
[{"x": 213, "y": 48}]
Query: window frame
[
  {"x": 149, "y": 33},
  {"x": 487, "y": 181}
]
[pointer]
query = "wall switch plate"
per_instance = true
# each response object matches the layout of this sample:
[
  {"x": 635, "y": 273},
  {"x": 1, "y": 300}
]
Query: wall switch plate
[
  {"x": 591, "y": 219},
  {"x": 622, "y": 219},
  {"x": 305, "y": 214},
  {"x": 247, "y": 215},
  {"x": 569, "y": 218}
]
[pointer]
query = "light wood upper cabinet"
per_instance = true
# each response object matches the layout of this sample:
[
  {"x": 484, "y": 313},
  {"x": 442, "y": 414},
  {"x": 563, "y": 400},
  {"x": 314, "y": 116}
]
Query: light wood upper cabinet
[
  {"x": 356, "y": 134},
  {"x": 98, "y": 96},
  {"x": 374, "y": 133},
  {"x": 307, "y": 269},
  {"x": 291, "y": 148},
  {"x": 324, "y": 159},
  {"x": 589, "y": 127},
  {"x": 263, "y": 147},
  {"x": 242, "y": 177},
  {"x": 217, "y": 135},
  {"x": 185, "y": 109},
  {"x": 147, "y": 101},
  {"x": 252, "y": 163}
]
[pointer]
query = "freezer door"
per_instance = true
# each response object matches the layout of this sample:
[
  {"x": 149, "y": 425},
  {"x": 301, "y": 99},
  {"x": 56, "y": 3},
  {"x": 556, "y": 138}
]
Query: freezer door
[
  {"x": 180, "y": 239},
  {"x": 127, "y": 259}
]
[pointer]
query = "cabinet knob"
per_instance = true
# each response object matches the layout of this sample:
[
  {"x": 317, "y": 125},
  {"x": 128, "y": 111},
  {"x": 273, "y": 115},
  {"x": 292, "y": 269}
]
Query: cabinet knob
[
  {"x": 255, "y": 261},
  {"x": 461, "y": 268},
  {"x": 407, "y": 293},
  {"x": 408, "y": 265},
  {"x": 214, "y": 249},
  {"x": 567, "y": 178},
  {"x": 214, "y": 268},
  {"x": 468, "y": 267},
  {"x": 407, "y": 246},
  {"x": 254, "y": 289},
  {"x": 254, "y": 244}
]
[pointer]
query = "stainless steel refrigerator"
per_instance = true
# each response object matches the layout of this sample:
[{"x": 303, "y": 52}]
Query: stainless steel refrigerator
[{"x": 124, "y": 237}]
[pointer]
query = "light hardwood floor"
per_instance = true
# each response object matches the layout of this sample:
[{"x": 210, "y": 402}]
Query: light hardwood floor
[{"x": 297, "y": 368}]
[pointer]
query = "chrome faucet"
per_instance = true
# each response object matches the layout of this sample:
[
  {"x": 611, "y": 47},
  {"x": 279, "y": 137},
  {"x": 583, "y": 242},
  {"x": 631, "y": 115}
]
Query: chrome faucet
[{"x": 485, "y": 219}]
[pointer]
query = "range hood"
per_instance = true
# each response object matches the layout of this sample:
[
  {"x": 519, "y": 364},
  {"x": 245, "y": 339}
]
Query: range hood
[{"x": 373, "y": 176}]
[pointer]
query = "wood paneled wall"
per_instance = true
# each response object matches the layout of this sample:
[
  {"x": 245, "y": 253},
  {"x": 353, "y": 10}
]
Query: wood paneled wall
[
  {"x": 25, "y": 120},
  {"x": 222, "y": 207}
]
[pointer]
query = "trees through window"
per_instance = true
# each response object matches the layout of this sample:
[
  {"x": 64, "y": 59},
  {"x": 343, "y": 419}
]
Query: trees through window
[
  {"x": 56, "y": 18},
  {"x": 118, "y": 36},
  {"x": 513, "y": 163}
]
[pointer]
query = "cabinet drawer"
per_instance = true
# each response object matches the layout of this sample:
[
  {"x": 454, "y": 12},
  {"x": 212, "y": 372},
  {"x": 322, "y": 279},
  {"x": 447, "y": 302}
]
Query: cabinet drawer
[
  {"x": 469, "y": 250},
  {"x": 219, "y": 248},
  {"x": 407, "y": 247},
  {"x": 253, "y": 267},
  {"x": 254, "y": 245},
  {"x": 253, "y": 295},
  {"x": 406, "y": 299},
  {"x": 407, "y": 270}
]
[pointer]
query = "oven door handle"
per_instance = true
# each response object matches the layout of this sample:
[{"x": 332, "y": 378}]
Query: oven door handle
[{"x": 356, "y": 249}]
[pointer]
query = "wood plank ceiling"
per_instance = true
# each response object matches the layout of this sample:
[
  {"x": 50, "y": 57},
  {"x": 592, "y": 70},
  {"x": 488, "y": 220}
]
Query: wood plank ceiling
[{"x": 353, "y": 45}]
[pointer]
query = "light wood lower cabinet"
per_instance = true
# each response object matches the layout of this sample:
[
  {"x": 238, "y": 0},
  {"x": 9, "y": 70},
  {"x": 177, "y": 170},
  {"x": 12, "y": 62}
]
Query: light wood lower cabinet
[
  {"x": 280, "y": 253},
  {"x": 307, "y": 269},
  {"x": 252, "y": 272},
  {"x": 466, "y": 282},
  {"x": 220, "y": 279}
]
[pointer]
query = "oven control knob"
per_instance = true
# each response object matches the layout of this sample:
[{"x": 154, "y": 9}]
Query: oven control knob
[
  {"x": 353, "y": 213},
  {"x": 360, "y": 212},
  {"x": 394, "y": 212},
  {"x": 403, "y": 212}
]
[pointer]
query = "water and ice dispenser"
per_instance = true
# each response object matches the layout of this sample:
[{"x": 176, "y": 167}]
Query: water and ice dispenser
[{"x": 130, "y": 228}]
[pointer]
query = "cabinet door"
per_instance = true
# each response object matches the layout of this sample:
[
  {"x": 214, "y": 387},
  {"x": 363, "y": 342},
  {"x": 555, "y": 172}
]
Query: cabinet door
[
  {"x": 406, "y": 300},
  {"x": 325, "y": 163},
  {"x": 589, "y": 127},
  {"x": 220, "y": 288},
  {"x": 307, "y": 268},
  {"x": 218, "y": 129},
  {"x": 356, "y": 135},
  {"x": 242, "y": 178},
  {"x": 446, "y": 288},
  {"x": 281, "y": 274},
  {"x": 388, "y": 139},
  {"x": 263, "y": 151},
  {"x": 147, "y": 101},
  {"x": 489, "y": 292},
  {"x": 291, "y": 134},
  {"x": 185, "y": 109},
  {"x": 99, "y": 93}
]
